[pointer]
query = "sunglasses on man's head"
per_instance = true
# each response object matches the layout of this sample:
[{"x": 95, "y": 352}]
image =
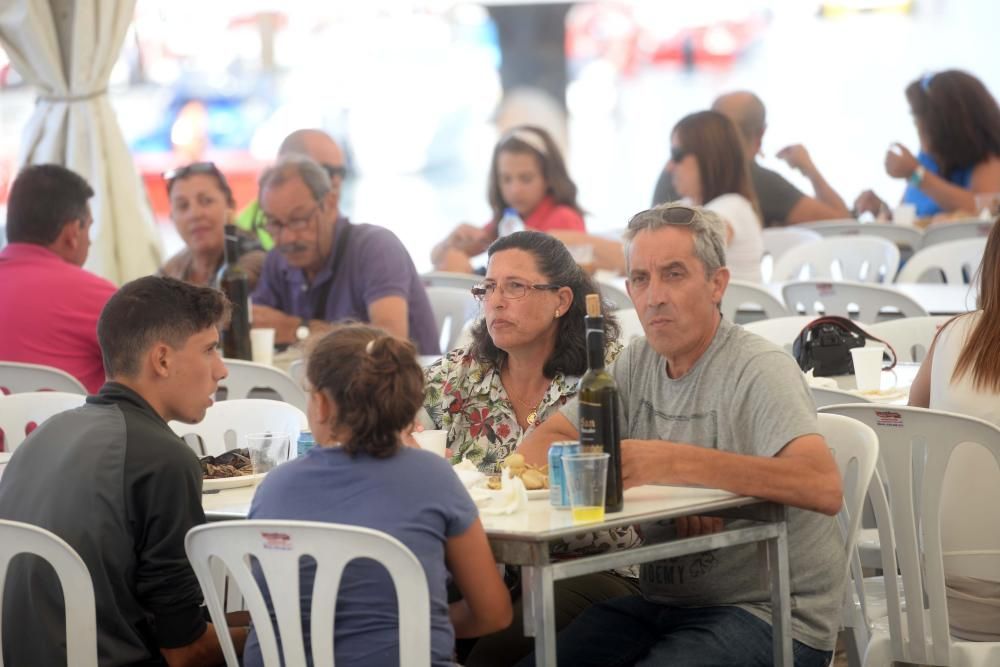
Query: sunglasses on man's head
[
  {"x": 335, "y": 170},
  {"x": 677, "y": 154},
  {"x": 673, "y": 215},
  {"x": 190, "y": 169}
]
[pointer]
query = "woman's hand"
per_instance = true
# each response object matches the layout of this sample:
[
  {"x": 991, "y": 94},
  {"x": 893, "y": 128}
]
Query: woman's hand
[
  {"x": 869, "y": 202},
  {"x": 469, "y": 239},
  {"x": 899, "y": 161}
]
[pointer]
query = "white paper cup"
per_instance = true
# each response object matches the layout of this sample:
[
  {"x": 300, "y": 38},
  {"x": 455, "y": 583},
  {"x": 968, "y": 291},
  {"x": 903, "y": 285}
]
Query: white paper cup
[
  {"x": 905, "y": 214},
  {"x": 262, "y": 346},
  {"x": 868, "y": 366},
  {"x": 435, "y": 440}
]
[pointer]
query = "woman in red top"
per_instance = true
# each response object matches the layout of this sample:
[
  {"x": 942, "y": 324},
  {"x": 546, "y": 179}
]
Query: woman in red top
[{"x": 527, "y": 174}]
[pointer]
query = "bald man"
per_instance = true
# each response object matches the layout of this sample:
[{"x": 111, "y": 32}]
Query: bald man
[
  {"x": 316, "y": 145},
  {"x": 781, "y": 202}
]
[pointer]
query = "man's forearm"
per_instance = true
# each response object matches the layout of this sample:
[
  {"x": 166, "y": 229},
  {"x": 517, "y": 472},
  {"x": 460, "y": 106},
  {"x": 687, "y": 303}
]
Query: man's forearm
[{"x": 826, "y": 194}]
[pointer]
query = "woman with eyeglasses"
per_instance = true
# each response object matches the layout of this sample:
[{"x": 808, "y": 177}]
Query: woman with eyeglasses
[
  {"x": 527, "y": 174},
  {"x": 201, "y": 205},
  {"x": 958, "y": 124},
  {"x": 526, "y": 356},
  {"x": 709, "y": 168}
]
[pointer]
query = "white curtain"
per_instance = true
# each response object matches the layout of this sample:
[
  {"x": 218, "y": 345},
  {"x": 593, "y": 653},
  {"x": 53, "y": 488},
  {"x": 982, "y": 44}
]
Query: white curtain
[{"x": 66, "y": 49}]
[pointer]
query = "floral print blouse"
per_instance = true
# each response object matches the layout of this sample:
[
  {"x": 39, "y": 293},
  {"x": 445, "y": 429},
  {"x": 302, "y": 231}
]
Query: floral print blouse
[{"x": 467, "y": 398}]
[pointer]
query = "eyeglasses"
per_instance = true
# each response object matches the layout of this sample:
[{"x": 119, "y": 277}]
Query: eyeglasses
[
  {"x": 276, "y": 227},
  {"x": 335, "y": 170},
  {"x": 189, "y": 169},
  {"x": 511, "y": 289},
  {"x": 677, "y": 154}
]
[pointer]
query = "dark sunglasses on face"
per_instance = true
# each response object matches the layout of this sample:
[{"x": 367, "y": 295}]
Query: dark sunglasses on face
[
  {"x": 677, "y": 154},
  {"x": 335, "y": 170}
]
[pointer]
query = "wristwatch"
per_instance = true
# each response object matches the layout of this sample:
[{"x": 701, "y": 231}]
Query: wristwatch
[
  {"x": 302, "y": 331},
  {"x": 917, "y": 177}
]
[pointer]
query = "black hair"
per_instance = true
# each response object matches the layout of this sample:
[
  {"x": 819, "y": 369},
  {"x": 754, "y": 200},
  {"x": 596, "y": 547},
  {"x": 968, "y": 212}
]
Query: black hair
[{"x": 42, "y": 200}]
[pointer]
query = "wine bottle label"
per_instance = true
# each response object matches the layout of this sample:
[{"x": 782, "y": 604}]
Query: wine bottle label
[{"x": 596, "y": 425}]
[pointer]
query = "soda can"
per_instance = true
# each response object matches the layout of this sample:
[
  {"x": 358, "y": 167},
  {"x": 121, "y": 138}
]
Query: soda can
[
  {"x": 558, "y": 491},
  {"x": 305, "y": 442}
]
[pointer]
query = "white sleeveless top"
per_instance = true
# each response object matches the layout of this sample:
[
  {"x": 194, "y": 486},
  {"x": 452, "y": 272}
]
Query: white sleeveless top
[
  {"x": 746, "y": 248},
  {"x": 959, "y": 395}
]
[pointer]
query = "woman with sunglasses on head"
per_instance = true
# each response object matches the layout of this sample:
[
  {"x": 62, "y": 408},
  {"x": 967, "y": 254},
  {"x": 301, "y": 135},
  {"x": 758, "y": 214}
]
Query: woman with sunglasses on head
[
  {"x": 958, "y": 124},
  {"x": 201, "y": 205},
  {"x": 365, "y": 388},
  {"x": 527, "y": 174},
  {"x": 526, "y": 356},
  {"x": 710, "y": 169}
]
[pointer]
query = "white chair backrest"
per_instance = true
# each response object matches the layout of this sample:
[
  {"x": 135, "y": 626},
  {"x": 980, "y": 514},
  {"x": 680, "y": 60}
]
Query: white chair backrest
[
  {"x": 824, "y": 396},
  {"x": 297, "y": 371},
  {"x": 740, "y": 293},
  {"x": 464, "y": 281},
  {"x": 246, "y": 376},
  {"x": 227, "y": 423},
  {"x": 16, "y": 377},
  {"x": 942, "y": 232},
  {"x": 78, "y": 590},
  {"x": 782, "y": 331},
  {"x": 901, "y": 235},
  {"x": 855, "y": 449},
  {"x": 910, "y": 336},
  {"x": 452, "y": 307},
  {"x": 614, "y": 294},
  {"x": 779, "y": 240},
  {"x": 952, "y": 262},
  {"x": 277, "y": 547},
  {"x": 841, "y": 298},
  {"x": 18, "y": 412},
  {"x": 933, "y": 515},
  {"x": 628, "y": 320},
  {"x": 866, "y": 259}
]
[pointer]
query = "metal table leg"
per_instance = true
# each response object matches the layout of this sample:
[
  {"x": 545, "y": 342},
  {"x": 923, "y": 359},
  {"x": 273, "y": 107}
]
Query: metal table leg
[
  {"x": 781, "y": 601},
  {"x": 538, "y": 602}
]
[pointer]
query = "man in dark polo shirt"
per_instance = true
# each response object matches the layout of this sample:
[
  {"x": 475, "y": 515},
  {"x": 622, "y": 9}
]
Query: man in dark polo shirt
[
  {"x": 114, "y": 481},
  {"x": 323, "y": 268}
]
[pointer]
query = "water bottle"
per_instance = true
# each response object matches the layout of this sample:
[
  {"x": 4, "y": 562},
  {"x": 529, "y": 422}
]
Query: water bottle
[{"x": 510, "y": 222}]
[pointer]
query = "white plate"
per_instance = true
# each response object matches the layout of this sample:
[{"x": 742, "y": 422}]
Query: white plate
[
  {"x": 535, "y": 494},
  {"x": 232, "y": 482}
]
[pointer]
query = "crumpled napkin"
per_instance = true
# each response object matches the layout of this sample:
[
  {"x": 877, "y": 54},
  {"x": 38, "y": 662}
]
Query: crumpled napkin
[
  {"x": 822, "y": 383},
  {"x": 473, "y": 481},
  {"x": 512, "y": 497}
]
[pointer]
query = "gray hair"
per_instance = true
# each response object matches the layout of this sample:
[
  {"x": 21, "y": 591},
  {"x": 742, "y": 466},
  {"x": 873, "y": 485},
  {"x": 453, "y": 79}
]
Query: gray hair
[
  {"x": 294, "y": 165},
  {"x": 707, "y": 228}
]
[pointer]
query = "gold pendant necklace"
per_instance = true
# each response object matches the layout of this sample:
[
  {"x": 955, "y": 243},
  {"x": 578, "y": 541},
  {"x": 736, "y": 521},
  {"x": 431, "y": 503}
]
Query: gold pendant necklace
[{"x": 532, "y": 417}]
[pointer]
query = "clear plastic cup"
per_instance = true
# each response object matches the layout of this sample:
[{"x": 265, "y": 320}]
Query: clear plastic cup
[
  {"x": 868, "y": 366},
  {"x": 586, "y": 477},
  {"x": 268, "y": 450}
]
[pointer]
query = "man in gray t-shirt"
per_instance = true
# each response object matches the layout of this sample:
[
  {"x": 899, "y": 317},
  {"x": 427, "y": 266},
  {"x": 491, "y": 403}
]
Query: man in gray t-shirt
[{"x": 705, "y": 403}]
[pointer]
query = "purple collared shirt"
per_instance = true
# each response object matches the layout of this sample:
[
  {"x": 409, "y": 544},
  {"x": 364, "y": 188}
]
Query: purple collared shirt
[{"x": 374, "y": 265}]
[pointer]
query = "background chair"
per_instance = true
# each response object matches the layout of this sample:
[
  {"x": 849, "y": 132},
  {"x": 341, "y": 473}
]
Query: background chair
[
  {"x": 942, "y": 232},
  {"x": 464, "y": 281},
  {"x": 778, "y": 241},
  {"x": 931, "y": 520},
  {"x": 227, "y": 423},
  {"x": 628, "y": 320},
  {"x": 824, "y": 396},
  {"x": 21, "y": 413},
  {"x": 616, "y": 295},
  {"x": 16, "y": 377},
  {"x": 861, "y": 300},
  {"x": 909, "y": 336},
  {"x": 782, "y": 331},
  {"x": 907, "y": 239},
  {"x": 332, "y": 546},
  {"x": 247, "y": 378},
  {"x": 78, "y": 590},
  {"x": 952, "y": 262},
  {"x": 452, "y": 307},
  {"x": 740, "y": 293},
  {"x": 866, "y": 259}
]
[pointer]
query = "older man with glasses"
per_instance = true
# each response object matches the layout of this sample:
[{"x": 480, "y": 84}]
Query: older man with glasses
[
  {"x": 323, "y": 268},
  {"x": 706, "y": 403}
]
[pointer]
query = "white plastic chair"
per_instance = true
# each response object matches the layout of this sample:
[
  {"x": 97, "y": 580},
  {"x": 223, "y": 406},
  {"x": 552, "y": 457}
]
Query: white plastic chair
[
  {"x": 778, "y": 241},
  {"x": 865, "y": 259},
  {"x": 932, "y": 517},
  {"x": 942, "y": 232},
  {"x": 904, "y": 237},
  {"x": 614, "y": 294},
  {"x": 465, "y": 281},
  {"x": 909, "y": 336},
  {"x": 18, "y": 412},
  {"x": 246, "y": 376},
  {"x": 740, "y": 293},
  {"x": 952, "y": 262},
  {"x": 840, "y": 298},
  {"x": 628, "y": 320},
  {"x": 17, "y": 377},
  {"x": 782, "y": 331},
  {"x": 277, "y": 547},
  {"x": 78, "y": 590},
  {"x": 452, "y": 307},
  {"x": 227, "y": 423},
  {"x": 824, "y": 396}
]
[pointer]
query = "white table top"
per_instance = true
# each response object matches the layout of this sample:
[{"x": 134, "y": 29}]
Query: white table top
[
  {"x": 540, "y": 522},
  {"x": 894, "y": 388}
]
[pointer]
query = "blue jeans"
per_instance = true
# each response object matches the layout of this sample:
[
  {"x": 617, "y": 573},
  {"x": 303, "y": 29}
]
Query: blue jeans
[{"x": 633, "y": 631}]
